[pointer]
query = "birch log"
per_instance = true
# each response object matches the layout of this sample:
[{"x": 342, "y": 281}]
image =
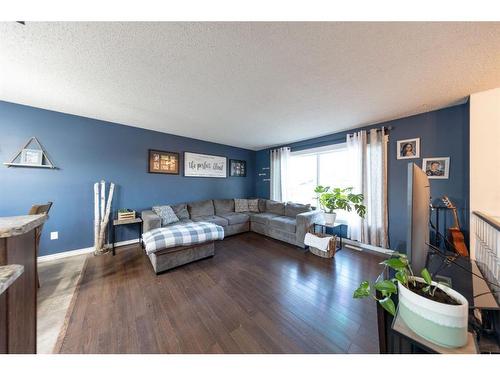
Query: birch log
[
  {"x": 97, "y": 219},
  {"x": 102, "y": 211},
  {"x": 105, "y": 219}
]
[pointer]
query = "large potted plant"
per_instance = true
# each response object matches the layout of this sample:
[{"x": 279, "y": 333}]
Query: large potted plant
[
  {"x": 331, "y": 199},
  {"x": 432, "y": 310}
]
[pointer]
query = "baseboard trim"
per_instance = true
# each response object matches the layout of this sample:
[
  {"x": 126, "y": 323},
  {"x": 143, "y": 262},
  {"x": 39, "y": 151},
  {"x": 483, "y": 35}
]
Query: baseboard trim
[
  {"x": 86, "y": 250},
  {"x": 363, "y": 246}
]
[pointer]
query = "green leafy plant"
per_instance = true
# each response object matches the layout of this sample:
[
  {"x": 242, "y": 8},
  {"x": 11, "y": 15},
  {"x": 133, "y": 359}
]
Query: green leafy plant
[
  {"x": 404, "y": 275},
  {"x": 336, "y": 198}
]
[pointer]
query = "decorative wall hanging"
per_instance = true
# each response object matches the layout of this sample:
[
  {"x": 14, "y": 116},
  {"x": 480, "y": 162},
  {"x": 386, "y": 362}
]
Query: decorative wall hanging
[
  {"x": 102, "y": 210},
  {"x": 436, "y": 168},
  {"x": 408, "y": 148},
  {"x": 238, "y": 168},
  {"x": 201, "y": 165},
  {"x": 32, "y": 154},
  {"x": 163, "y": 162}
]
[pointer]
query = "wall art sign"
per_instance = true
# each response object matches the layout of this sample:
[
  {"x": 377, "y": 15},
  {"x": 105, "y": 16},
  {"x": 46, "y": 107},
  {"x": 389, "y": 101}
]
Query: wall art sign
[
  {"x": 163, "y": 162},
  {"x": 201, "y": 165}
]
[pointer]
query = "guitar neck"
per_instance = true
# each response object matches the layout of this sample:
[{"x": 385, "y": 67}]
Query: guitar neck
[{"x": 455, "y": 216}]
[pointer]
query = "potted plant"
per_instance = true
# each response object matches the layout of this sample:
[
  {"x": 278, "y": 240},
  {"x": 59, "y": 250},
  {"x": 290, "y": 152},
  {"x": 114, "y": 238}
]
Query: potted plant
[
  {"x": 432, "y": 310},
  {"x": 331, "y": 199}
]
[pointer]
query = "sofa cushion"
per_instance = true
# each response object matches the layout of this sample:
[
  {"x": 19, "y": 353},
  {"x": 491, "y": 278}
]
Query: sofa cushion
[
  {"x": 253, "y": 205},
  {"x": 183, "y": 221},
  {"x": 241, "y": 205},
  {"x": 201, "y": 208},
  {"x": 284, "y": 223},
  {"x": 213, "y": 219},
  {"x": 262, "y": 205},
  {"x": 166, "y": 213},
  {"x": 235, "y": 217},
  {"x": 262, "y": 217},
  {"x": 274, "y": 207},
  {"x": 223, "y": 206},
  {"x": 181, "y": 211},
  {"x": 293, "y": 209}
]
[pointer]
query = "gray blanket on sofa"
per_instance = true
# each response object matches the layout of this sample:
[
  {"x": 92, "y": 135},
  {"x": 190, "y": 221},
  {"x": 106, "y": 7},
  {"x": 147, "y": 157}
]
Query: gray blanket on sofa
[{"x": 181, "y": 235}]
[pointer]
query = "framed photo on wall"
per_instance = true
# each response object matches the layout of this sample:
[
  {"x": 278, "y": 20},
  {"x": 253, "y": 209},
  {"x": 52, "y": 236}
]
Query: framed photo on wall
[
  {"x": 436, "y": 168},
  {"x": 31, "y": 157},
  {"x": 163, "y": 162},
  {"x": 238, "y": 168},
  {"x": 202, "y": 165},
  {"x": 408, "y": 148}
]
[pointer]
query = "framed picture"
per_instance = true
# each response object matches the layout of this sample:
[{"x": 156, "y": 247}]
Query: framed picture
[
  {"x": 163, "y": 162},
  {"x": 202, "y": 165},
  {"x": 31, "y": 156},
  {"x": 238, "y": 168},
  {"x": 408, "y": 148},
  {"x": 436, "y": 168}
]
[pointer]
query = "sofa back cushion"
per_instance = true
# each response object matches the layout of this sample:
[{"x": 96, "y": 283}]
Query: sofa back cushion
[
  {"x": 293, "y": 209},
  {"x": 223, "y": 206},
  {"x": 201, "y": 208},
  {"x": 241, "y": 205},
  {"x": 262, "y": 205},
  {"x": 253, "y": 205},
  {"x": 181, "y": 211},
  {"x": 274, "y": 207}
]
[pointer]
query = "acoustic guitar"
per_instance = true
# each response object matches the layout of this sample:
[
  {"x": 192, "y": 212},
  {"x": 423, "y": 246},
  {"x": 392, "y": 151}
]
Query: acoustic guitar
[{"x": 455, "y": 235}]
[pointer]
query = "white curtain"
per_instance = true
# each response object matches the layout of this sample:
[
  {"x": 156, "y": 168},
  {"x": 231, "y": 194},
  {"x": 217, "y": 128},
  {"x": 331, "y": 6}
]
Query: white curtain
[
  {"x": 279, "y": 173},
  {"x": 368, "y": 155}
]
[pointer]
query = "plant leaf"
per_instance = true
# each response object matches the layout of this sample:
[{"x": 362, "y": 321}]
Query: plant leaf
[
  {"x": 388, "y": 305},
  {"x": 362, "y": 291},
  {"x": 402, "y": 277},
  {"x": 395, "y": 263},
  {"x": 386, "y": 286},
  {"x": 427, "y": 276}
]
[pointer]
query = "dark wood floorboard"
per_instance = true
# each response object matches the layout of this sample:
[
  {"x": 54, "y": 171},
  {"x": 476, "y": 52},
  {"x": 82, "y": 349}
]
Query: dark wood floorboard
[{"x": 256, "y": 295}]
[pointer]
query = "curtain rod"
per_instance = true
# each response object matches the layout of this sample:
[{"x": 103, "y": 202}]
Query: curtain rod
[{"x": 378, "y": 129}]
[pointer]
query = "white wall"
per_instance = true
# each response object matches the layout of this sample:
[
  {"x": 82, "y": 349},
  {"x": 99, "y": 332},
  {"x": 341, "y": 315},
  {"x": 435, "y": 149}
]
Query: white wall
[{"x": 485, "y": 153}]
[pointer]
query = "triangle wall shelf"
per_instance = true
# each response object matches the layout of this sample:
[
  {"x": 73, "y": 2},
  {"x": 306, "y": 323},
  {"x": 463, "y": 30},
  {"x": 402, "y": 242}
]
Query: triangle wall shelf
[{"x": 31, "y": 155}]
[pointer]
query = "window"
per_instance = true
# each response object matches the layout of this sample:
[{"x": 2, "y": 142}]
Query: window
[{"x": 327, "y": 166}]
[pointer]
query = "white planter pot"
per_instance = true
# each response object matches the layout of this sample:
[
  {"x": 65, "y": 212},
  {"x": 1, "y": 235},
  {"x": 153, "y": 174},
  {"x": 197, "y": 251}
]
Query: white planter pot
[
  {"x": 329, "y": 218},
  {"x": 442, "y": 324}
]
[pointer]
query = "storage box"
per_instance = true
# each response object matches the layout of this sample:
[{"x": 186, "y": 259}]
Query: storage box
[
  {"x": 332, "y": 246},
  {"x": 126, "y": 215}
]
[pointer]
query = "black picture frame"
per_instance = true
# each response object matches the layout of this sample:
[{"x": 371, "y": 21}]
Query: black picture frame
[
  {"x": 154, "y": 166},
  {"x": 237, "y": 168}
]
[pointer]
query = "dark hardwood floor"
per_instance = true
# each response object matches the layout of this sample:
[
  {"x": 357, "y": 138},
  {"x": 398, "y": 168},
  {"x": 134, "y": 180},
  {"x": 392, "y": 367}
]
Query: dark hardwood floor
[{"x": 257, "y": 295}]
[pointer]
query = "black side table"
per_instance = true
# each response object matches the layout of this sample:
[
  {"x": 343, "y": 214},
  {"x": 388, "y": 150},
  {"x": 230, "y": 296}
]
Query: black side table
[{"x": 117, "y": 223}]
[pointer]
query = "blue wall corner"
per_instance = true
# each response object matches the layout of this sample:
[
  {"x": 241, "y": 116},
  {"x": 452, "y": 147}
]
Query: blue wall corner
[
  {"x": 443, "y": 133},
  {"x": 87, "y": 150}
]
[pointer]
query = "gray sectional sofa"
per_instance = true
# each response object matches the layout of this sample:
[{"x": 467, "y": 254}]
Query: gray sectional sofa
[{"x": 288, "y": 222}]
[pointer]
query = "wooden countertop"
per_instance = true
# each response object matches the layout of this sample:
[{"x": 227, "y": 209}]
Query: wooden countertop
[
  {"x": 9, "y": 274},
  {"x": 16, "y": 225}
]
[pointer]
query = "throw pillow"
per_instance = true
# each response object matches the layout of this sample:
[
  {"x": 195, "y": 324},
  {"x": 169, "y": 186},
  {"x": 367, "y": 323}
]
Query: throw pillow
[
  {"x": 253, "y": 205},
  {"x": 240, "y": 205},
  {"x": 166, "y": 213}
]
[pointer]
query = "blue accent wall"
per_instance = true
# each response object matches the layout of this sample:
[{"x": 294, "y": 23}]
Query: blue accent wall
[
  {"x": 87, "y": 150},
  {"x": 442, "y": 133}
]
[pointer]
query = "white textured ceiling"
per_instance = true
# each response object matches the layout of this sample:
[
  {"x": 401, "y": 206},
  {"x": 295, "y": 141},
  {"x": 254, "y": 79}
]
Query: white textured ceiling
[{"x": 246, "y": 84}]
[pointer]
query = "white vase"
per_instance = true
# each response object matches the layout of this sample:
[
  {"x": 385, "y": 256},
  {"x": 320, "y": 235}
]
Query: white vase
[
  {"x": 437, "y": 322},
  {"x": 329, "y": 218}
]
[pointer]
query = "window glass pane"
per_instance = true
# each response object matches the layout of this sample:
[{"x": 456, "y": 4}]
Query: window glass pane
[
  {"x": 302, "y": 178},
  {"x": 335, "y": 171}
]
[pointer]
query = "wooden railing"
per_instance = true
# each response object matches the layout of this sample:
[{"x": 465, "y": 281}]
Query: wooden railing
[{"x": 486, "y": 232}]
